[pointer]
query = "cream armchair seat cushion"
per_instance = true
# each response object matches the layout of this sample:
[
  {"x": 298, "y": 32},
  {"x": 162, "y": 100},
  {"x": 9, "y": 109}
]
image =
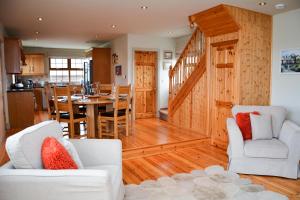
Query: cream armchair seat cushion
[{"x": 266, "y": 149}]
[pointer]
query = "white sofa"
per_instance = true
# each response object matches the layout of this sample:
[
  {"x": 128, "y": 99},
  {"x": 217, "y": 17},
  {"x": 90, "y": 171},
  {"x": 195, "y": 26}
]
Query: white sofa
[
  {"x": 277, "y": 157},
  {"x": 101, "y": 178}
]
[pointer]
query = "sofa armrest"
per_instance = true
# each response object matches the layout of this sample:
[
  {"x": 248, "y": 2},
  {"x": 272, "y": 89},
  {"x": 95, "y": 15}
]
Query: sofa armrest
[
  {"x": 36, "y": 184},
  {"x": 94, "y": 152},
  {"x": 290, "y": 135},
  {"x": 236, "y": 141}
]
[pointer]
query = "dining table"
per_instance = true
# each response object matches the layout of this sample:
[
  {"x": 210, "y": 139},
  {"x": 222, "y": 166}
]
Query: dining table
[{"x": 92, "y": 102}]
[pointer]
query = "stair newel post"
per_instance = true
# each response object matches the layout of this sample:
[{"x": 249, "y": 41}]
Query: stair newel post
[{"x": 170, "y": 83}]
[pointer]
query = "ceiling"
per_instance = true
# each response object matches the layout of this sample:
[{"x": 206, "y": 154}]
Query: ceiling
[{"x": 82, "y": 24}]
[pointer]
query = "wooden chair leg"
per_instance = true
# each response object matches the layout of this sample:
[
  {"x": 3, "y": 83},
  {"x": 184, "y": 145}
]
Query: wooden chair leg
[
  {"x": 71, "y": 130},
  {"x": 127, "y": 125},
  {"x": 100, "y": 128},
  {"x": 116, "y": 129}
]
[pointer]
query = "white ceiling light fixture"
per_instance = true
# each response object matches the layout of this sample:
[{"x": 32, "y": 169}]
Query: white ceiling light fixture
[
  {"x": 37, "y": 32},
  {"x": 144, "y": 7},
  {"x": 40, "y": 19},
  {"x": 280, "y": 6},
  {"x": 114, "y": 26},
  {"x": 262, "y": 3}
]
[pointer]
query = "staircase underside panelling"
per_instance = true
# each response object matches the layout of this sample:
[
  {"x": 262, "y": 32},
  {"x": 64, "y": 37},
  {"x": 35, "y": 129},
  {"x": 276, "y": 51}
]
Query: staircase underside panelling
[{"x": 192, "y": 113}]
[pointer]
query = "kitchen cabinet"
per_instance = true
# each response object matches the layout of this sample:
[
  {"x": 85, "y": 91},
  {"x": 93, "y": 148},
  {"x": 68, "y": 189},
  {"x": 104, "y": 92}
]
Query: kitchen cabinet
[
  {"x": 20, "y": 109},
  {"x": 35, "y": 65},
  {"x": 38, "y": 94},
  {"x": 13, "y": 55},
  {"x": 101, "y": 70}
]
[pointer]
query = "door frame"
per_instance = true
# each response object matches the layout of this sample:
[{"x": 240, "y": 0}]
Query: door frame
[{"x": 157, "y": 102}]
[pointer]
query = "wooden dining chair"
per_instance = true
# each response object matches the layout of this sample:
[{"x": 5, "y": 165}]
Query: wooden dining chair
[
  {"x": 64, "y": 109},
  {"x": 77, "y": 90},
  {"x": 126, "y": 90},
  {"x": 119, "y": 116},
  {"x": 49, "y": 101},
  {"x": 104, "y": 88}
]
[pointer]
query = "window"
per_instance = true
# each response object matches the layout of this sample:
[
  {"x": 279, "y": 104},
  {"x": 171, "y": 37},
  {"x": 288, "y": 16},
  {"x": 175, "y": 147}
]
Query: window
[{"x": 66, "y": 70}]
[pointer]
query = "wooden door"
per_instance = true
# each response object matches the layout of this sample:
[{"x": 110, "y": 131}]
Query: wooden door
[
  {"x": 145, "y": 84},
  {"x": 223, "y": 80}
]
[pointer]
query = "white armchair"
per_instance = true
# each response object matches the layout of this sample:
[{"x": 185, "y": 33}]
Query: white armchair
[
  {"x": 101, "y": 178},
  {"x": 276, "y": 157}
]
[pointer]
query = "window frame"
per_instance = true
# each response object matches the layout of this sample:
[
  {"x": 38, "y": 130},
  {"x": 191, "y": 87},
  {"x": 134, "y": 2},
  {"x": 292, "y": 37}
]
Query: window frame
[{"x": 69, "y": 69}]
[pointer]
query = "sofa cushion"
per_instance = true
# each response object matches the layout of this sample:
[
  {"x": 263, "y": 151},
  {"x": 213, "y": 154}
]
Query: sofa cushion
[
  {"x": 55, "y": 156},
  {"x": 24, "y": 148},
  {"x": 266, "y": 149},
  {"x": 72, "y": 151},
  {"x": 244, "y": 123},
  {"x": 277, "y": 113},
  {"x": 261, "y": 127}
]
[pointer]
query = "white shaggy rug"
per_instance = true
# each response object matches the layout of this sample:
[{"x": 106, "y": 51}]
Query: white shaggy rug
[{"x": 213, "y": 183}]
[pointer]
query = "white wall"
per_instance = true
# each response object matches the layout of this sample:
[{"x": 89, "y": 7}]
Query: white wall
[
  {"x": 152, "y": 43},
  {"x": 180, "y": 43},
  {"x": 119, "y": 46},
  {"x": 285, "y": 88}
]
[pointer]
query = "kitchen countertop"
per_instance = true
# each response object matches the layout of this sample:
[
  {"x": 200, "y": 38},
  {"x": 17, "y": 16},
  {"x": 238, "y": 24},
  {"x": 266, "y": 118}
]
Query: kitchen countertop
[{"x": 20, "y": 90}]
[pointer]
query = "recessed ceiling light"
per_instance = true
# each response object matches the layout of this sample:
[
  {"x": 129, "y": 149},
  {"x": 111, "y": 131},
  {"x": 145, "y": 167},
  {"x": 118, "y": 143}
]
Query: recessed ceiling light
[
  {"x": 114, "y": 26},
  {"x": 280, "y": 6},
  {"x": 40, "y": 19},
  {"x": 37, "y": 32},
  {"x": 144, "y": 7},
  {"x": 262, "y": 3}
]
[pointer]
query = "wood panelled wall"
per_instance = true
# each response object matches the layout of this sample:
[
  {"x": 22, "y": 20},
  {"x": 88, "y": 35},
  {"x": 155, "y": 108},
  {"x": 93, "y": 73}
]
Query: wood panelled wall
[
  {"x": 255, "y": 39},
  {"x": 192, "y": 114},
  {"x": 252, "y": 74}
]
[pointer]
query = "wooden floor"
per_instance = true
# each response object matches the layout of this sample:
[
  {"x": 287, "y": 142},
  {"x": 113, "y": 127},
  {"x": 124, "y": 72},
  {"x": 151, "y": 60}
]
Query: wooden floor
[{"x": 148, "y": 133}]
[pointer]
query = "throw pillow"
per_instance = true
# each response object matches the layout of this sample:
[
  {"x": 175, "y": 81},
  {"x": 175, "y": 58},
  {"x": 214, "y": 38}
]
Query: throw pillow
[
  {"x": 244, "y": 123},
  {"x": 72, "y": 151},
  {"x": 55, "y": 156},
  {"x": 261, "y": 127}
]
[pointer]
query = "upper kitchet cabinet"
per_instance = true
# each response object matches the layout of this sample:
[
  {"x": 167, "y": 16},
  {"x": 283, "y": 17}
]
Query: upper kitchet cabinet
[
  {"x": 35, "y": 65},
  {"x": 13, "y": 55}
]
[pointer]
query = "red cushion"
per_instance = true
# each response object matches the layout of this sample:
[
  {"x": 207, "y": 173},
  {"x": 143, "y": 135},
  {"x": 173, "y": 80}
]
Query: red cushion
[
  {"x": 244, "y": 123},
  {"x": 55, "y": 156}
]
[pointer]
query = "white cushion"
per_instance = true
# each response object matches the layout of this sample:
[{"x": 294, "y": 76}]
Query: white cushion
[
  {"x": 278, "y": 114},
  {"x": 266, "y": 149},
  {"x": 261, "y": 127},
  {"x": 24, "y": 148},
  {"x": 72, "y": 151}
]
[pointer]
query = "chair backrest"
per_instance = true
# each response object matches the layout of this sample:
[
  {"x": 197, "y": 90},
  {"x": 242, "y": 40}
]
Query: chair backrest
[
  {"x": 126, "y": 90},
  {"x": 76, "y": 89},
  {"x": 63, "y": 101},
  {"x": 49, "y": 100},
  {"x": 105, "y": 88},
  {"x": 278, "y": 115}
]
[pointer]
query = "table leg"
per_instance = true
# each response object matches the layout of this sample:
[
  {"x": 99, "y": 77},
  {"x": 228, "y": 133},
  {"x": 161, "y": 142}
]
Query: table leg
[{"x": 92, "y": 115}]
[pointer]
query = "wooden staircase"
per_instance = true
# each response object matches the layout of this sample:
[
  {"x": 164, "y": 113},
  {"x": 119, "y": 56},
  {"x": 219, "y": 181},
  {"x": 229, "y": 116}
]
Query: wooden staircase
[{"x": 187, "y": 71}]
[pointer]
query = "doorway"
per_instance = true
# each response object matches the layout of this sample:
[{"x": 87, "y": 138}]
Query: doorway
[
  {"x": 223, "y": 78},
  {"x": 145, "y": 84}
]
